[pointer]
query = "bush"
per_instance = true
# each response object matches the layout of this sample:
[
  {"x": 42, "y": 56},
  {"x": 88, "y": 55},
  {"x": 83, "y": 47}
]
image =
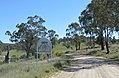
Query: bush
[
  {"x": 67, "y": 62},
  {"x": 43, "y": 56},
  {"x": 67, "y": 45},
  {"x": 1, "y": 62},
  {"x": 58, "y": 65},
  {"x": 14, "y": 58},
  {"x": 23, "y": 56},
  {"x": 115, "y": 57},
  {"x": 59, "y": 53}
]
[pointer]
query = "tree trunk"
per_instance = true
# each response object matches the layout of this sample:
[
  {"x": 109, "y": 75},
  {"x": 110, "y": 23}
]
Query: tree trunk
[
  {"x": 102, "y": 43},
  {"x": 106, "y": 43},
  {"x": 90, "y": 42},
  {"x": 7, "y": 56},
  {"x": 93, "y": 42},
  {"x": 106, "y": 40},
  {"x": 76, "y": 46},
  {"x": 27, "y": 54},
  {"x": 102, "y": 40},
  {"x": 79, "y": 45}
]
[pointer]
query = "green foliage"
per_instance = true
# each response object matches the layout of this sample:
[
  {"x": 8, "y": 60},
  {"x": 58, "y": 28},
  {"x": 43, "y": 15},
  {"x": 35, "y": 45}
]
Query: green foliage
[
  {"x": 58, "y": 65},
  {"x": 66, "y": 44},
  {"x": 62, "y": 63},
  {"x": 14, "y": 58},
  {"x": 73, "y": 33},
  {"x": 114, "y": 52},
  {"x": 42, "y": 56},
  {"x": 67, "y": 62},
  {"x": 59, "y": 54},
  {"x": 100, "y": 19},
  {"x": 59, "y": 48},
  {"x": 53, "y": 37},
  {"x": 17, "y": 53},
  {"x": 1, "y": 62},
  {"x": 23, "y": 56},
  {"x": 27, "y": 33}
]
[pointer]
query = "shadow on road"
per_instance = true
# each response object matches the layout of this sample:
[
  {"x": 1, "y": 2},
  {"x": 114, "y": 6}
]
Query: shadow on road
[{"x": 89, "y": 62}]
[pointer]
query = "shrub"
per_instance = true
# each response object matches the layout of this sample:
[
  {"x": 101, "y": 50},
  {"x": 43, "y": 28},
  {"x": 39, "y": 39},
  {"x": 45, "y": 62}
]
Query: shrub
[
  {"x": 58, "y": 65},
  {"x": 67, "y": 62},
  {"x": 23, "y": 56},
  {"x": 14, "y": 58},
  {"x": 59, "y": 53},
  {"x": 115, "y": 57},
  {"x": 1, "y": 62}
]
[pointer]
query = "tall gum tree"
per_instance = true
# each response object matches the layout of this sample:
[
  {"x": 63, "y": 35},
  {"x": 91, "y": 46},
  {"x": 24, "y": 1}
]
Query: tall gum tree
[
  {"x": 106, "y": 14},
  {"x": 73, "y": 32},
  {"x": 105, "y": 17},
  {"x": 28, "y": 33},
  {"x": 53, "y": 36},
  {"x": 90, "y": 26}
]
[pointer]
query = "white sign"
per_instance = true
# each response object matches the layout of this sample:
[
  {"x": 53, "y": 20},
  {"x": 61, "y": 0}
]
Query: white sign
[{"x": 44, "y": 46}]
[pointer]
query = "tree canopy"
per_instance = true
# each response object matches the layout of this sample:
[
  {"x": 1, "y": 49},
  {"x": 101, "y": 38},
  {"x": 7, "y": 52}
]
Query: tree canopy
[{"x": 28, "y": 33}]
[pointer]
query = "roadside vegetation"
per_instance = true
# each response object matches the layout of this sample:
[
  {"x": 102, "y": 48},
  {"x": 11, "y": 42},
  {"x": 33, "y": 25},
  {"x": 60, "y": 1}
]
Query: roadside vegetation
[
  {"x": 114, "y": 52},
  {"x": 13, "y": 53},
  {"x": 29, "y": 69},
  {"x": 92, "y": 35},
  {"x": 26, "y": 70}
]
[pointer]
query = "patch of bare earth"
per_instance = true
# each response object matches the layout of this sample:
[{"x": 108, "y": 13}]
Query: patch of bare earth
[{"x": 90, "y": 67}]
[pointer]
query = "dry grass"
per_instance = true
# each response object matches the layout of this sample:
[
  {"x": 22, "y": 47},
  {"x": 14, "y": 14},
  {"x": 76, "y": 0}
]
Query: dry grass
[{"x": 23, "y": 70}]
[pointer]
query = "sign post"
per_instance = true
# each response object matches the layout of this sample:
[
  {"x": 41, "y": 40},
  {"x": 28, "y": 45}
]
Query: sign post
[{"x": 44, "y": 46}]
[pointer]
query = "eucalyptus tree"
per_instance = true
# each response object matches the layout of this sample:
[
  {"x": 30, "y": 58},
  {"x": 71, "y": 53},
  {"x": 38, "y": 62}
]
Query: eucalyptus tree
[
  {"x": 88, "y": 23},
  {"x": 53, "y": 37},
  {"x": 106, "y": 14},
  {"x": 28, "y": 33},
  {"x": 73, "y": 32}
]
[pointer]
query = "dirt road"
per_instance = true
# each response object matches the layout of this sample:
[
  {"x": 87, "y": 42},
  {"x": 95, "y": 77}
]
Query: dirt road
[{"x": 90, "y": 67}]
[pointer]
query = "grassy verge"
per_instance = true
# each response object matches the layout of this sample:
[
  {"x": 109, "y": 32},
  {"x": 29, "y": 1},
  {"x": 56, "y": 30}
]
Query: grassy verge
[
  {"x": 29, "y": 70},
  {"x": 114, "y": 52},
  {"x": 64, "y": 62},
  {"x": 14, "y": 55},
  {"x": 20, "y": 70},
  {"x": 17, "y": 53}
]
